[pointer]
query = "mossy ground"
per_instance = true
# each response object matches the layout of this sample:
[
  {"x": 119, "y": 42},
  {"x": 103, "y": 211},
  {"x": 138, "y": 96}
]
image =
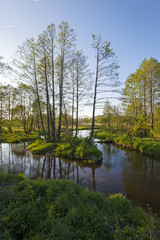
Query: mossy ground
[{"x": 60, "y": 209}]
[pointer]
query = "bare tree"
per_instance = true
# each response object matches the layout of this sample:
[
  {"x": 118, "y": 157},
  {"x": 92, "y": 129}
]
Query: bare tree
[
  {"x": 65, "y": 41},
  {"x": 106, "y": 71}
]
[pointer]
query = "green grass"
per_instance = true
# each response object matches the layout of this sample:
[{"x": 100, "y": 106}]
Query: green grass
[
  {"x": 17, "y": 137},
  {"x": 145, "y": 145},
  {"x": 62, "y": 210},
  {"x": 148, "y": 145},
  {"x": 104, "y": 135},
  {"x": 42, "y": 147},
  {"x": 75, "y": 148}
]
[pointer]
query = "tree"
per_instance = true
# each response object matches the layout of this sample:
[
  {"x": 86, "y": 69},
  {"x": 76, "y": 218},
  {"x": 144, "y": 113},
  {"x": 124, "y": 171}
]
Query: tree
[
  {"x": 80, "y": 84},
  {"x": 108, "y": 112},
  {"x": 3, "y": 67},
  {"x": 141, "y": 96},
  {"x": 106, "y": 71},
  {"x": 51, "y": 31},
  {"x": 44, "y": 71},
  {"x": 153, "y": 70},
  {"x": 25, "y": 64},
  {"x": 65, "y": 42}
]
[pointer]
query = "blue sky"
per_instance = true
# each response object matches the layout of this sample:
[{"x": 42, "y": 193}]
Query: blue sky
[{"x": 132, "y": 27}]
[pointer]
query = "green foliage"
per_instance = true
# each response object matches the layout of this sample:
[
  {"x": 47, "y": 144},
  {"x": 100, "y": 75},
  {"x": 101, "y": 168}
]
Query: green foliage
[
  {"x": 17, "y": 137},
  {"x": 104, "y": 135},
  {"x": 140, "y": 98},
  {"x": 145, "y": 145},
  {"x": 60, "y": 209},
  {"x": 149, "y": 145},
  {"x": 87, "y": 150},
  {"x": 64, "y": 150}
]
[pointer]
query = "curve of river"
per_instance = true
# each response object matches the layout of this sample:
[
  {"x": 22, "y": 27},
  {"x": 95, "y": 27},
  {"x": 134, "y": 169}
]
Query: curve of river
[{"x": 134, "y": 174}]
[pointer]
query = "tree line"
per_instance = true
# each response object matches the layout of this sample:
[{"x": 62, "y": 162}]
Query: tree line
[{"x": 140, "y": 102}]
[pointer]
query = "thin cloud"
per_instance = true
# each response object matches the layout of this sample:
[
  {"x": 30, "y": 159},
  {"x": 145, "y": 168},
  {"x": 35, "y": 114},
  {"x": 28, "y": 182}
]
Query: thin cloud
[
  {"x": 36, "y": 0},
  {"x": 9, "y": 26}
]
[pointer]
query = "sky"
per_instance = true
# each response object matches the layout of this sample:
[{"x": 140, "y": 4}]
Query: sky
[{"x": 132, "y": 27}]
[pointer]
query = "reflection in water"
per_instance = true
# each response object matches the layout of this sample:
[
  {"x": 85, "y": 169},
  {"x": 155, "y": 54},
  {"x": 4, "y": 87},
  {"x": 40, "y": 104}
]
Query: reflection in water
[
  {"x": 141, "y": 177},
  {"x": 128, "y": 172},
  {"x": 14, "y": 159}
]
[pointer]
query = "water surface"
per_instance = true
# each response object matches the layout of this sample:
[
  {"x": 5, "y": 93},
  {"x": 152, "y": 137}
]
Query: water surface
[{"x": 129, "y": 172}]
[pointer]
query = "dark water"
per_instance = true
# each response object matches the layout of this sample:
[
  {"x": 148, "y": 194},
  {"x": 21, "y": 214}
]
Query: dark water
[{"x": 128, "y": 172}]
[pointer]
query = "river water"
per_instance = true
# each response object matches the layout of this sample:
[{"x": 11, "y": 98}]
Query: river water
[{"x": 134, "y": 174}]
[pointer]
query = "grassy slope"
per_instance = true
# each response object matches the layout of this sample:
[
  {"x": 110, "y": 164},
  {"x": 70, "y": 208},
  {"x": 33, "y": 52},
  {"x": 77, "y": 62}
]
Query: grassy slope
[{"x": 60, "y": 209}]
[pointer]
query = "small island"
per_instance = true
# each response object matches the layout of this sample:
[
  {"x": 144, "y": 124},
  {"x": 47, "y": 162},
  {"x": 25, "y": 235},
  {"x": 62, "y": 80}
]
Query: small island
[{"x": 82, "y": 149}]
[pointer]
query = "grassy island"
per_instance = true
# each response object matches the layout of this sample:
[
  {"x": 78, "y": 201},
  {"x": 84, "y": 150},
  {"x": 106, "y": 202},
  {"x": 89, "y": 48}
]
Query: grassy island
[
  {"x": 74, "y": 148},
  {"x": 60, "y": 209}
]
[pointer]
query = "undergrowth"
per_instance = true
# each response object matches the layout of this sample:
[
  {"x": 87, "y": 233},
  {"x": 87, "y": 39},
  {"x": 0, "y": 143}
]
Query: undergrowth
[
  {"x": 17, "y": 137},
  {"x": 62, "y": 210}
]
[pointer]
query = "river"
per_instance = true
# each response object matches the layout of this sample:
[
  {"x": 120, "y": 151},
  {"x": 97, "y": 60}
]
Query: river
[{"x": 134, "y": 174}]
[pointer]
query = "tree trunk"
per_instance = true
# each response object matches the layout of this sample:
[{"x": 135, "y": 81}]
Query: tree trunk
[
  {"x": 47, "y": 97},
  {"x": 151, "y": 101},
  {"x": 60, "y": 97},
  {"x": 53, "y": 97},
  {"x": 72, "y": 108},
  {"x": 38, "y": 99},
  {"x": 77, "y": 102},
  {"x": 94, "y": 102},
  {"x": 145, "y": 112},
  {"x": 66, "y": 121}
]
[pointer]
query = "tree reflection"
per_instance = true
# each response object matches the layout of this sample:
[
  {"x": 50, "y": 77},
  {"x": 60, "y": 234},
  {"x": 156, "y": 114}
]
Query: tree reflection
[{"x": 140, "y": 181}]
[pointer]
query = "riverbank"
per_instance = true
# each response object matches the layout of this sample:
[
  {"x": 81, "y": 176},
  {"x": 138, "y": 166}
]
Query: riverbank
[
  {"x": 73, "y": 148},
  {"x": 60, "y": 209},
  {"x": 147, "y": 145}
]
